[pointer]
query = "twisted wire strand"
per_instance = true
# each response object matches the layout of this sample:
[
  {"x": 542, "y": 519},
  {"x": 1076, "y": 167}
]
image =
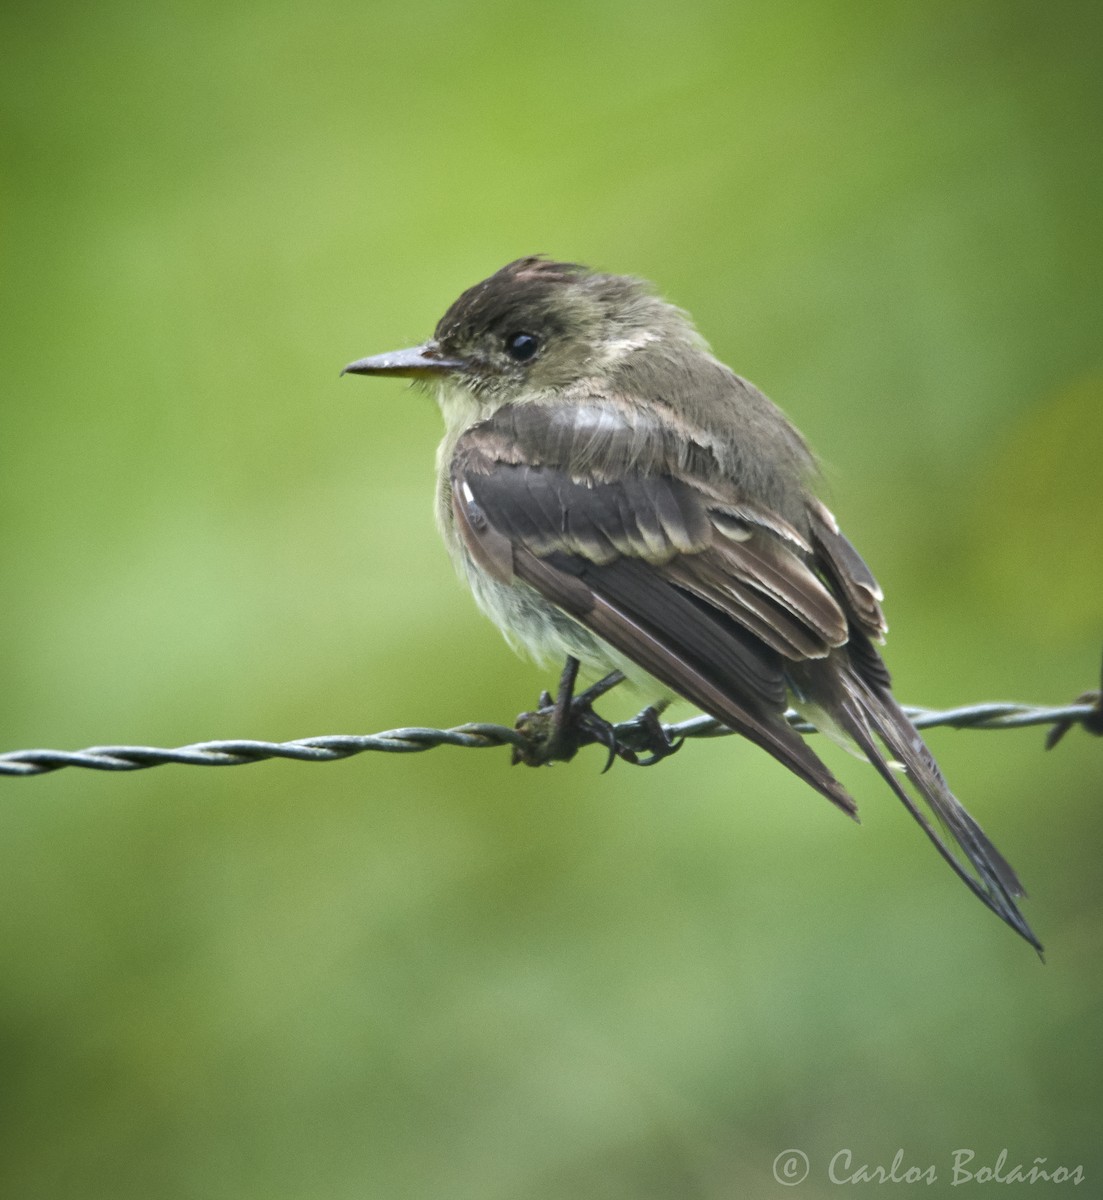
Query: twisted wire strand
[{"x": 480, "y": 736}]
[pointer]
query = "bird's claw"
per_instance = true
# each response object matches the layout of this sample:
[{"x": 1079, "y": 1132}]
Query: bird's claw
[
  {"x": 553, "y": 734},
  {"x": 646, "y": 734},
  {"x": 559, "y": 728}
]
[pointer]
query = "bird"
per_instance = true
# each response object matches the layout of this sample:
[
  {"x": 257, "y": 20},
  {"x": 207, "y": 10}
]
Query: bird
[{"x": 617, "y": 497}]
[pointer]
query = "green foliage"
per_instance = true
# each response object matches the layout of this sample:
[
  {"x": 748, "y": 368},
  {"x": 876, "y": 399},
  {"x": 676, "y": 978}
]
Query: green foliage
[{"x": 435, "y": 976}]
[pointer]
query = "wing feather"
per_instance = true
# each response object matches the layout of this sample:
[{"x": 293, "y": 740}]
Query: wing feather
[
  {"x": 611, "y": 613},
  {"x": 629, "y": 526}
]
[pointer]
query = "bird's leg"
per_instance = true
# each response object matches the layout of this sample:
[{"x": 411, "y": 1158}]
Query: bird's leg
[
  {"x": 647, "y": 734},
  {"x": 558, "y": 729}
]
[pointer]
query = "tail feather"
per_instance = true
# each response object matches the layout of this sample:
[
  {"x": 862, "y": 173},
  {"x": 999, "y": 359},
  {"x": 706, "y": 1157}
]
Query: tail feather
[{"x": 864, "y": 711}]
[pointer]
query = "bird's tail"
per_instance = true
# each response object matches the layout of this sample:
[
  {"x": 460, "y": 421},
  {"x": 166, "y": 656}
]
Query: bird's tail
[{"x": 864, "y": 710}]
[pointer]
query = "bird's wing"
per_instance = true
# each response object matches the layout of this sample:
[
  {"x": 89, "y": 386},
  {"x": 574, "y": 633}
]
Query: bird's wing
[
  {"x": 689, "y": 580},
  {"x": 722, "y": 600}
]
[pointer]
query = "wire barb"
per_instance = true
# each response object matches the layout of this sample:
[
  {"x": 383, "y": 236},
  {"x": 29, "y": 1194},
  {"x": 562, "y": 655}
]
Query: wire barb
[
  {"x": 1086, "y": 712},
  {"x": 1093, "y": 722}
]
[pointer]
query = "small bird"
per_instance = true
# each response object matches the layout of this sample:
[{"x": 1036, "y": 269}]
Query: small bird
[{"x": 614, "y": 494}]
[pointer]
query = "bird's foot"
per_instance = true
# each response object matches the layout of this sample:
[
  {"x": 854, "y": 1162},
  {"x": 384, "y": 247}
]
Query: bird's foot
[
  {"x": 645, "y": 734},
  {"x": 559, "y": 728}
]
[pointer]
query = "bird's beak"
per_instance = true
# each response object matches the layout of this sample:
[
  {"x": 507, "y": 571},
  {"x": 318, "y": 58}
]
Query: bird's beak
[{"x": 416, "y": 363}]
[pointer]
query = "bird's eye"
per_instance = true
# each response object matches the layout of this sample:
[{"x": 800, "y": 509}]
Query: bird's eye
[{"x": 522, "y": 346}]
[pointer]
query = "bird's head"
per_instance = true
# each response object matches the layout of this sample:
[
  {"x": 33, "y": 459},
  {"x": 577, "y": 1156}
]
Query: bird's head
[{"x": 534, "y": 328}]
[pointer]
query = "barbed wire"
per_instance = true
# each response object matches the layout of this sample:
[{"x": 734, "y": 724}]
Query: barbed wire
[{"x": 1087, "y": 712}]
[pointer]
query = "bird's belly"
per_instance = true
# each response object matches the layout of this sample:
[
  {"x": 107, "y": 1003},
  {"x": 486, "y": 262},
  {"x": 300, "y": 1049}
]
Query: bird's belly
[
  {"x": 531, "y": 625},
  {"x": 534, "y": 627}
]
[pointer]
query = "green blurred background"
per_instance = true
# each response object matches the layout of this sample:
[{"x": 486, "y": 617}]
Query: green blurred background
[{"x": 435, "y": 976}]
